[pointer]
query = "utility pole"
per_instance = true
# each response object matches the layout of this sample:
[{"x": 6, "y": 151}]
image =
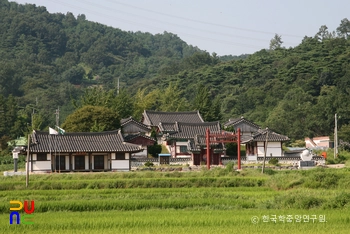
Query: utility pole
[
  {"x": 266, "y": 142},
  {"x": 57, "y": 113},
  {"x": 33, "y": 112},
  {"x": 27, "y": 171},
  {"x": 335, "y": 136},
  {"x": 118, "y": 87}
]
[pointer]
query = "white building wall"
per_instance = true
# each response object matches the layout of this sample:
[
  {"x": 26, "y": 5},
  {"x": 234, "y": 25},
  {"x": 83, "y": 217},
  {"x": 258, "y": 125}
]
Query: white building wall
[
  {"x": 67, "y": 162},
  {"x": 40, "y": 166},
  {"x": 86, "y": 162},
  {"x": 273, "y": 149},
  {"x": 105, "y": 165},
  {"x": 178, "y": 144},
  {"x": 141, "y": 154},
  {"x": 120, "y": 165}
]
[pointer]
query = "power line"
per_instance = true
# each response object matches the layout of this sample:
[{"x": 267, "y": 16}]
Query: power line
[
  {"x": 96, "y": 6},
  {"x": 177, "y": 25},
  {"x": 202, "y": 22}
]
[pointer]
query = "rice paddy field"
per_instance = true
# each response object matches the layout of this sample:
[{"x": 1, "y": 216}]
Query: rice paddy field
[{"x": 215, "y": 201}]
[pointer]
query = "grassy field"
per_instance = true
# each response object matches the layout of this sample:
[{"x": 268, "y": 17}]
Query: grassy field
[
  {"x": 182, "y": 221},
  {"x": 216, "y": 201}
]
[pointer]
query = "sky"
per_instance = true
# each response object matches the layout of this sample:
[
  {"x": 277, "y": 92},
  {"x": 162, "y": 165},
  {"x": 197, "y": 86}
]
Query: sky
[{"x": 226, "y": 27}]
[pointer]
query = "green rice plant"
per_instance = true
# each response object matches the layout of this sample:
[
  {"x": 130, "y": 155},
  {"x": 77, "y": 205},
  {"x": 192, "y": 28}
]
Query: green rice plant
[
  {"x": 283, "y": 180},
  {"x": 322, "y": 179},
  {"x": 182, "y": 221},
  {"x": 339, "y": 201}
]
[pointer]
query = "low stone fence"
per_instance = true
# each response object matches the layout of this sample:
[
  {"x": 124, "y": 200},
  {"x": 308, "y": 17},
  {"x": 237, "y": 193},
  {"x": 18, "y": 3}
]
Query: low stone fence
[
  {"x": 292, "y": 161},
  {"x": 12, "y": 173},
  {"x": 173, "y": 161},
  {"x": 281, "y": 160}
]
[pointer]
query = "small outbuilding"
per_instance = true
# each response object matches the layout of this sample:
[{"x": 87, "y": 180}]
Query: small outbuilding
[{"x": 80, "y": 151}]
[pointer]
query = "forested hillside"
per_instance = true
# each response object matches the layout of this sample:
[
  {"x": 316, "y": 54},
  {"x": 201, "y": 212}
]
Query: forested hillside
[
  {"x": 49, "y": 59},
  {"x": 59, "y": 60},
  {"x": 294, "y": 91}
]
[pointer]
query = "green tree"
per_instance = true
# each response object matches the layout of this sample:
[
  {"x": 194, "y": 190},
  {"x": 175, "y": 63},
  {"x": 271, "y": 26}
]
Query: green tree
[
  {"x": 292, "y": 114},
  {"x": 231, "y": 149},
  {"x": 344, "y": 28},
  {"x": 95, "y": 96},
  {"x": 344, "y": 133},
  {"x": 123, "y": 104},
  {"x": 9, "y": 79},
  {"x": 92, "y": 118},
  {"x": 154, "y": 149},
  {"x": 203, "y": 102},
  {"x": 171, "y": 99},
  {"x": 74, "y": 75},
  {"x": 144, "y": 101},
  {"x": 323, "y": 33},
  {"x": 276, "y": 42}
]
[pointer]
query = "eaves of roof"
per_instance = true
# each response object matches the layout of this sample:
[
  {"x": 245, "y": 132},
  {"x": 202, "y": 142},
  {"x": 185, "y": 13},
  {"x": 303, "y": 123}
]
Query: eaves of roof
[
  {"x": 271, "y": 136},
  {"x": 237, "y": 121},
  {"x": 132, "y": 120},
  {"x": 153, "y": 118},
  {"x": 133, "y": 136},
  {"x": 190, "y": 130},
  {"x": 111, "y": 141}
]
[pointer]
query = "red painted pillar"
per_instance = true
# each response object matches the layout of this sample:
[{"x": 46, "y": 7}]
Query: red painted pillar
[
  {"x": 239, "y": 147},
  {"x": 207, "y": 138}
]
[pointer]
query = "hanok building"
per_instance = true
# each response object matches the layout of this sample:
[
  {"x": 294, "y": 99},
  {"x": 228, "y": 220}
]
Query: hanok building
[
  {"x": 265, "y": 139},
  {"x": 247, "y": 127},
  {"x": 87, "y": 151},
  {"x": 189, "y": 139},
  {"x": 137, "y": 133},
  {"x": 257, "y": 139},
  {"x": 130, "y": 127},
  {"x": 152, "y": 119},
  {"x": 165, "y": 124}
]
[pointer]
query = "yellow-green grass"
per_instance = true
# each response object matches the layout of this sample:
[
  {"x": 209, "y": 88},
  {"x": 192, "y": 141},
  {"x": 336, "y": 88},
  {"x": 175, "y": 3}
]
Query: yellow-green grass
[
  {"x": 216, "y": 201},
  {"x": 182, "y": 221}
]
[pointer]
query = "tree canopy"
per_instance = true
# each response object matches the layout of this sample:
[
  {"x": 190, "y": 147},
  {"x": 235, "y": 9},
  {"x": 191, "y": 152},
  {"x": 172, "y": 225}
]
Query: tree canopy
[
  {"x": 92, "y": 119},
  {"x": 59, "y": 60}
]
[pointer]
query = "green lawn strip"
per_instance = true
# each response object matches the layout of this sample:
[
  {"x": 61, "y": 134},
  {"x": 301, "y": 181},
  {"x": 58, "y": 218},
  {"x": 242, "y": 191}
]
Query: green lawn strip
[{"x": 158, "y": 182}]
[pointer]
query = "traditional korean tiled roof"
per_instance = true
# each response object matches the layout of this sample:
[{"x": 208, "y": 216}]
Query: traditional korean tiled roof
[
  {"x": 133, "y": 136},
  {"x": 122, "y": 121},
  {"x": 111, "y": 141},
  {"x": 131, "y": 120},
  {"x": 190, "y": 130},
  {"x": 236, "y": 121},
  {"x": 166, "y": 127},
  {"x": 199, "y": 142},
  {"x": 271, "y": 137},
  {"x": 153, "y": 118}
]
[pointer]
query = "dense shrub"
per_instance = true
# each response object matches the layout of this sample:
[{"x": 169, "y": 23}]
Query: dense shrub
[
  {"x": 149, "y": 164},
  {"x": 273, "y": 161},
  {"x": 322, "y": 179},
  {"x": 230, "y": 167}
]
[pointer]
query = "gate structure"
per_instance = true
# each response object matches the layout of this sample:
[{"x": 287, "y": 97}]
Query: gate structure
[{"x": 223, "y": 137}]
